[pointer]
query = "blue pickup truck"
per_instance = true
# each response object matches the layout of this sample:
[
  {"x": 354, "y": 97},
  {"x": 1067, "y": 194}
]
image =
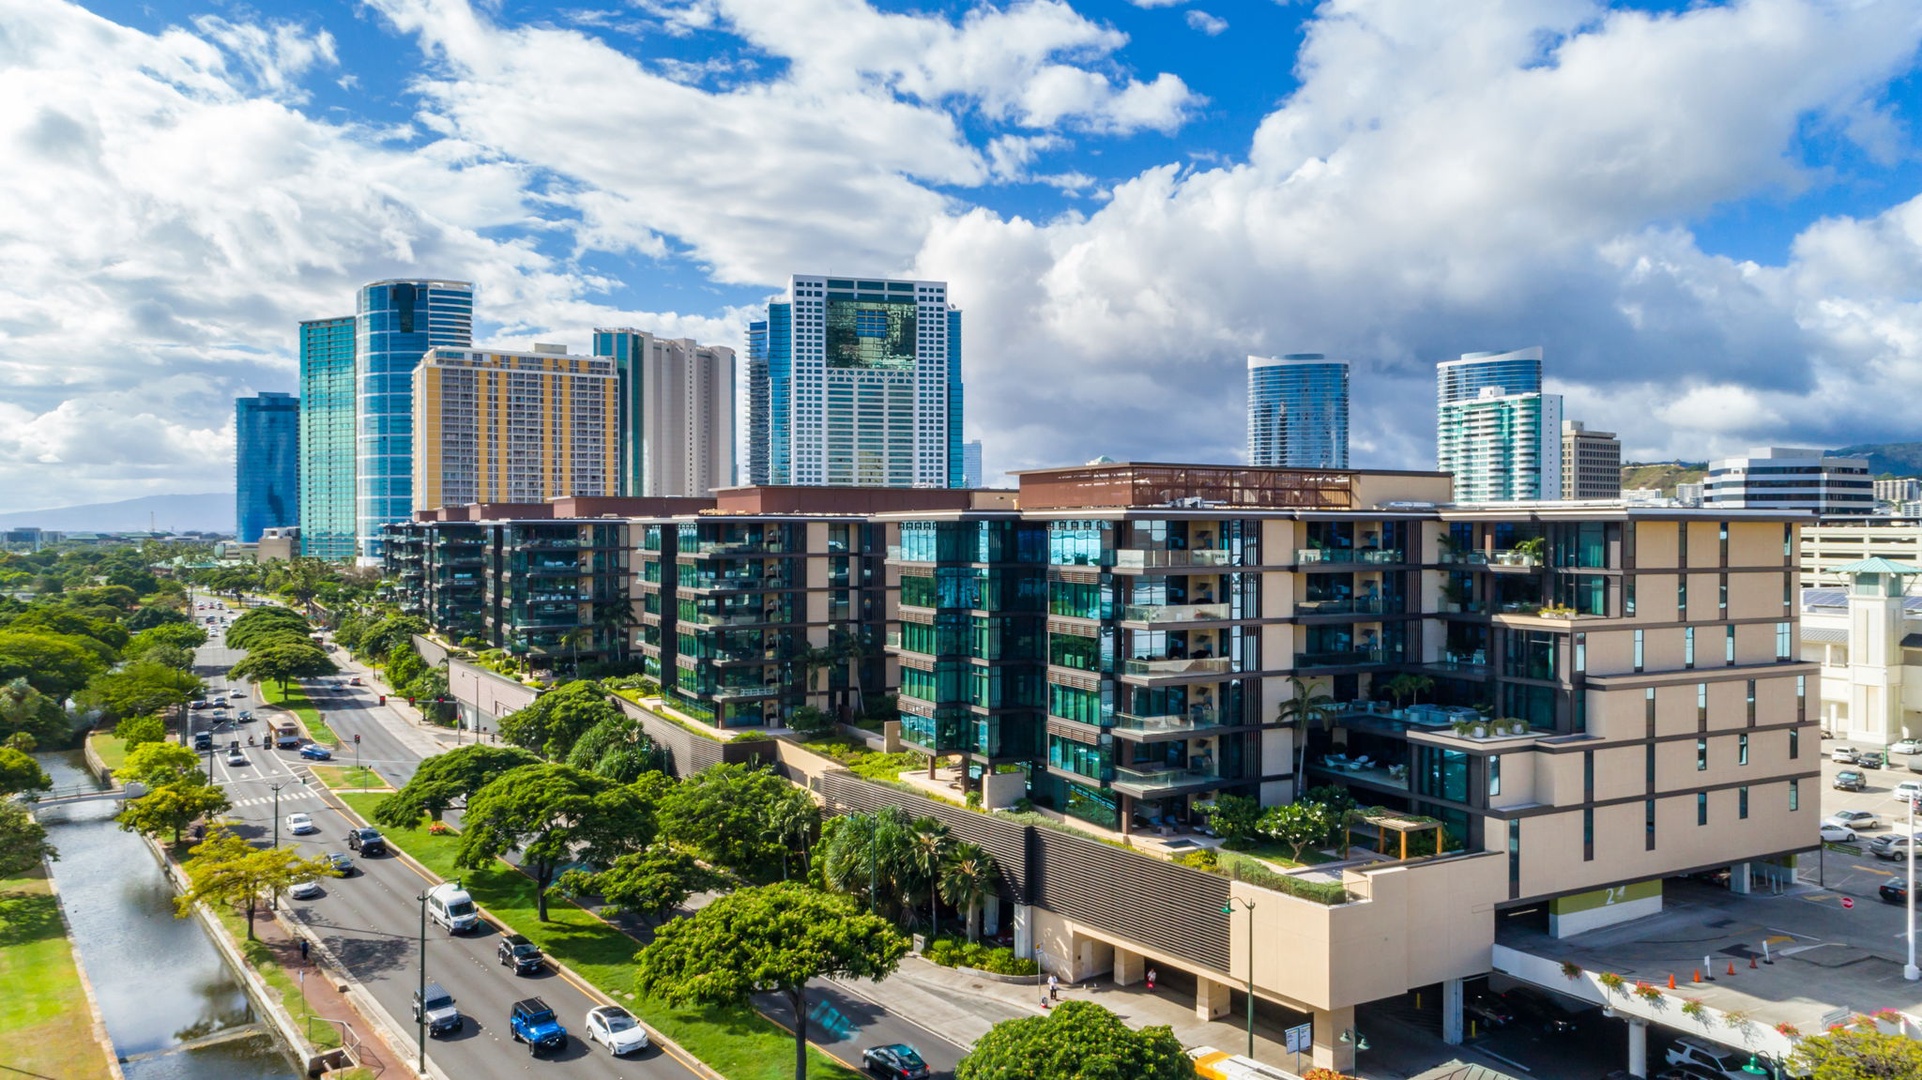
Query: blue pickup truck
[{"x": 536, "y": 1025}]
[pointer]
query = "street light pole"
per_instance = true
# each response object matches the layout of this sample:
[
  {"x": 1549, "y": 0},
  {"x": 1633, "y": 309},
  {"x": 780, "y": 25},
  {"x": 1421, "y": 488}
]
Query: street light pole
[
  {"x": 874, "y": 837},
  {"x": 1229, "y": 909},
  {"x": 420, "y": 1002},
  {"x": 275, "y": 788},
  {"x": 1909, "y": 970}
]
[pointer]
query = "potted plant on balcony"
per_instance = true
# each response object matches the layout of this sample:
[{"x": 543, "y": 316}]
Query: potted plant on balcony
[
  {"x": 1477, "y": 728},
  {"x": 1529, "y": 552},
  {"x": 1404, "y": 687}
]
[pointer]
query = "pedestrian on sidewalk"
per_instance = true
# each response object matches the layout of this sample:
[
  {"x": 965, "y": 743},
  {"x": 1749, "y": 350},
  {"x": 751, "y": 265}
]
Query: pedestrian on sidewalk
[
  {"x": 1054, "y": 987},
  {"x": 1151, "y": 980},
  {"x": 303, "y": 950}
]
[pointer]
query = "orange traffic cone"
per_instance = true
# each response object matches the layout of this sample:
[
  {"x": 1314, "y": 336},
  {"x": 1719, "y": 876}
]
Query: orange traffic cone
[
  {"x": 1698, "y": 974},
  {"x": 1671, "y": 982},
  {"x": 1731, "y": 967},
  {"x": 1751, "y": 963}
]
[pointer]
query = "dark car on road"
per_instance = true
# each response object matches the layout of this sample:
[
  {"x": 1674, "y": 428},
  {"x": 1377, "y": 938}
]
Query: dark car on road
[
  {"x": 367, "y": 841},
  {"x": 533, "y": 1023},
  {"x": 1894, "y": 890},
  {"x": 521, "y": 954},
  {"x": 896, "y": 1061}
]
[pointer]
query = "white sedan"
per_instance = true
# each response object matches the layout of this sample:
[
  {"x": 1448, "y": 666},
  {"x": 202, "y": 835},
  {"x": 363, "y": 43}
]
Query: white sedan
[
  {"x": 616, "y": 1029},
  {"x": 1855, "y": 819},
  {"x": 304, "y": 890},
  {"x": 1838, "y": 834},
  {"x": 1905, "y": 746},
  {"x": 301, "y": 824}
]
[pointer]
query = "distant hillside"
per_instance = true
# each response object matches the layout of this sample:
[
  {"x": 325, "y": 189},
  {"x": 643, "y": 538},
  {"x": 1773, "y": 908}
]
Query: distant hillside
[
  {"x": 1897, "y": 459},
  {"x": 1662, "y": 474},
  {"x": 209, "y": 512}
]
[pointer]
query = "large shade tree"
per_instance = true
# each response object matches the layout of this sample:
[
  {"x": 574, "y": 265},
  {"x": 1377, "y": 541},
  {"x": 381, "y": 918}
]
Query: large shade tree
[
  {"x": 284, "y": 660},
  {"x": 552, "y": 815},
  {"x": 1857, "y": 1054},
  {"x": 20, "y": 773},
  {"x": 23, "y": 841},
  {"x": 29, "y": 718},
  {"x": 730, "y": 815},
  {"x": 172, "y": 807},
  {"x": 555, "y": 721},
  {"x": 56, "y": 665},
  {"x": 446, "y": 781},
  {"x": 140, "y": 688},
  {"x": 773, "y": 938},
  {"x": 227, "y": 869},
  {"x": 269, "y": 621},
  {"x": 1076, "y": 1040}
]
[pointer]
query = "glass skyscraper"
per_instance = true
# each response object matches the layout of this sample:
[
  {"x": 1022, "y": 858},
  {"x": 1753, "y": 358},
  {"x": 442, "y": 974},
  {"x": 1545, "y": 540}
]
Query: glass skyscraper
[
  {"x": 1495, "y": 430},
  {"x": 1298, "y": 411},
  {"x": 327, "y": 438},
  {"x": 266, "y": 464},
  {"x": 860, "y": 385},
  {"x": 398, "y": 321}
]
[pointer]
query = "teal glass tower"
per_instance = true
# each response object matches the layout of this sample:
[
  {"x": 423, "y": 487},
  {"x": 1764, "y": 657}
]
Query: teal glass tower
[
  {"x": 396, "y": 323},
  {"x": 327, "y": 438},
  {"x": 266, "y": 464},
  {"x": 1298, "y": 411}
]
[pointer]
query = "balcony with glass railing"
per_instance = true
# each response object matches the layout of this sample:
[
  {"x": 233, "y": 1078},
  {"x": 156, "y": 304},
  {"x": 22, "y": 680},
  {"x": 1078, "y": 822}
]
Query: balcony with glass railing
[
  {"x": 713, "y": 548},
  {"x": 1151, "y": 783},
  {"x": 1178, "y": 666},
  {"x": 1340, "y": 605},
  {"x": 743, "y": 693},
  {"x": 1350, "y": 556},
  {"x": 1156, "y": 558},
  {"x": 1194, "y": 719},
  {"x": 1174, "y": 613},
  {"x": 1347, "y": 658}
]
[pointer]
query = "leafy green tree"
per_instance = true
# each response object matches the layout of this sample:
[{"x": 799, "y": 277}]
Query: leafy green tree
[
  {"x": 618, "y": 749},
  {"x": 553, "y": 815},
  {"x": 810, "y": 722},
  {"x": 389, "y": 633},
  {"x": 447, "y": 781},
  {"x": 283, "y": 662},
  {"x": 1076, "y": 1040},
  {"x": 1236, "y": 817},
  {"x": 140, "y": 688},
  {"x": 154, "y": 616},
  {"x": 172, "y": 807},
  {"x": 57, "y": 665},
  {"x": 181, "y": 634},
  {"x": 1857, "y": 1054},
  {"x": 25, "y": 711},
  {"x": 19, "y": 773},
  {"x": 1299, "y": 826},
  {"x": 158, "y": 763},
  {"x": 102, "y": 627},
  {"x": 871, "y": 857},
  {"x": 556, "y": 720},
  {"x": 969, "y": 877},
  {"x": 136, "y": 730},
  {"x": 777, "y": 937},
  {"x": 650, "y": 883},
  {"x": 723, "y": 812},
  {"x": 23, "y": 841},
  {"x": 263, "y": 621},
  {"x": 226, "y": 869}
]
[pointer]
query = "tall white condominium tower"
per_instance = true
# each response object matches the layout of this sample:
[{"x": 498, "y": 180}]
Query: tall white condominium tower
[
  {"x": 858, "y": 382},
  {"x": 1298, "y": 411},
  {"x": 676, "y": 416},
  {"x": 1495, "y": 430}
]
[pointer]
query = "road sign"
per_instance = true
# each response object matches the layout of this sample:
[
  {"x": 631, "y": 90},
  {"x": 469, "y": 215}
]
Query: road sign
[
  {"x": 1300, "y": 1038},
  {"x": 1847, "y": 903}
]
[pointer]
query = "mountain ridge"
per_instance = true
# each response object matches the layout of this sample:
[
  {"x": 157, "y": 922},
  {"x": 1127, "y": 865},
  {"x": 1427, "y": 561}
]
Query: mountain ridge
[{"x": 211, "y": 511}]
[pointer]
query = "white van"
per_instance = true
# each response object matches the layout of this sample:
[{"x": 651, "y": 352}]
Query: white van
[{"x": 449, "y": 905}]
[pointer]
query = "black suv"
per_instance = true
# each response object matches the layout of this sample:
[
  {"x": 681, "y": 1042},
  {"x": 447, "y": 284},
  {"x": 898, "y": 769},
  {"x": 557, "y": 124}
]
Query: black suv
[
  {"x": 367, "y": 841},
  {"x": 521, "y": 954}
]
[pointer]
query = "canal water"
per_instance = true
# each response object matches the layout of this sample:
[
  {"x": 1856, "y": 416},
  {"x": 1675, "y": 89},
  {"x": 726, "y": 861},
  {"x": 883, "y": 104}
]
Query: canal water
[{"x": 159, "y": 981}]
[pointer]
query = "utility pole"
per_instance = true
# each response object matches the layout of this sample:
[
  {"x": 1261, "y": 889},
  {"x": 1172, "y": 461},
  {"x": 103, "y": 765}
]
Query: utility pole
[{"x": 420, "y": 1002}]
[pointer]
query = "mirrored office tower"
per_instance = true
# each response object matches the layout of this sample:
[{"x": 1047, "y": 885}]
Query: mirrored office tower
[
  {"x": 397, "y": 322},
  {"x": 1298, "y": 411},
  {"x": 327, "y": 437},
  {"x": 266, "y": 464}
]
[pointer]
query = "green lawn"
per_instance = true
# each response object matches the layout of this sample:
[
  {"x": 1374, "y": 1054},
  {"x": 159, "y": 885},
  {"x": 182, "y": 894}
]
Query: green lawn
[
  {"x": 348, "y": 777},
  {"x": 112, "y": 751},
  {"x": 294, "y": 699},
  {"x": 1282, "y": 854},
  {"x": 45, "y": 1026},
  {"x": 739, "y": 1043}
]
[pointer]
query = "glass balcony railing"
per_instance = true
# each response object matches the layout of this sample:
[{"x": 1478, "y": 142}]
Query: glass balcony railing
[
  {"x": 1364, "y": 556},
  {"x": 736, "y": 547},
  {"x": 740, "y": 693},
  {"x": 1206, "y": 665},
  {"x": 1347, "y": 657},
  {"x": 1345, "y": 605},
  {"x": 1138, "y": 781},
  {"x": 1194, "y": 718},
  {"x": 1170, "y": 613},
  {"x": 1154, "y": 558}
]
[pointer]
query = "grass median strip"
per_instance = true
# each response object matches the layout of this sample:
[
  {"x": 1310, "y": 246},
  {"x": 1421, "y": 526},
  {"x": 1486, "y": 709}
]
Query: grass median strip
[
  {"x": 351, "y": 778},
  {"x": 739, "y": 1043},
  {"x": 45, "y": 1025},
  {"x": 294, "y": 700}
]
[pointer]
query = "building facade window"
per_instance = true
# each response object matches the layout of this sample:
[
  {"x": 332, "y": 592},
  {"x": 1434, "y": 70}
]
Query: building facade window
[
  {"x": 1588, "y": 776},
  {"x": 1688, "y": 647},
  {"x": 1581, "y": 654},
  {"x": 1728, "y": 645},
  {"x": 1741, "y": 803},
  {"x": 1588, "y": 834},
  {"x": 1751, "y": 703},
  {"x": 1514, "y": 856},
  {"x": 1784, "y": 641},
  {"x": 1795, "y": 795},
  {"x": 1701, "y": 808},
  {"x": 1628, "y": 595},
  {"x": 1648, "y": 709},
  {"x": 1701, "y": 704},
  {"x": 1494, "y": 775},
  {"x": 1648, "y": 765},
  {"x": 1722, "y": 534},
  {"x": 1795, "y": 745},
  {"x": 1681, "y": 595},
  {"x": 1801, "y": 698},
  {"x": 1741, "y": 750},
  {"x": 1648, "y": 824},
  {"x": 1701, "y": 755},
  {"x": 1638, "y": 651},
  {"x": 1721, "y": 602}
]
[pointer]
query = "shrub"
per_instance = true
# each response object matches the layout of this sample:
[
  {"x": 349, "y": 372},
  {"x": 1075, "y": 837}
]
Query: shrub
[
  {"x": 1254, "y": 872},
  {"x": 959, "y": 952},
  {"x": 1205, "y": 859},
  {"x": 810, "y": 722}
]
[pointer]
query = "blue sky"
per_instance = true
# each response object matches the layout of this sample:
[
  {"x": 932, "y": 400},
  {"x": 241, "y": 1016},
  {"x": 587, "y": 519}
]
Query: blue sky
[{"x": 1707, "y": 214}]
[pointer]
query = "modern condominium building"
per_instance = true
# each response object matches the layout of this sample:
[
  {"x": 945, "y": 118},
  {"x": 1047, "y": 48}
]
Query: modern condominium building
[
  {"x": 862, "y": 385},
  {"x": 511, "y": 427},
  {"x": 266, "y": 464},
  {"x": 327, "y": 438},
  {"x": 971, "y": 472},
  {"x": 397, "y": 322},
  {"x": 1791, "y": 478},
  {"x": 1298, "y": 411},
  {"x": 1495, "y": 431},
  {"x": 1901, "y": 490},
  {"x": 1591, "y": 463},
  {"x": 676, "y": 413}
]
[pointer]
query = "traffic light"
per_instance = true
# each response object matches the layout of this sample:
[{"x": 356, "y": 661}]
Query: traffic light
[{"x": 356, "y": 738}]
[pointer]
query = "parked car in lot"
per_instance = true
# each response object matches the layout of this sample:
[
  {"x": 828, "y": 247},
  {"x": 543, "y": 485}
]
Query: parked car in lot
[
  {"x": 1488, "y": 1011},
  {"x": 1837, "y": 834},
  {"x": 316, "y": 752},
  {"x": 616, "y": 1029},
  {"x": 1850, "y": 780},
  {"x": 522, "y": 955},
  {"x": 1908, "y": 790},
  {"x": 1891, "y": 846},
  {"x": 1894, "y": 890},
  {"x": 1870, "y": 759},
  {"x": 896, "y": 1061},
  {"x": 1536, "y": 1010},
  {"x": 1713, "y": 1059},
  {"x": 438, "y": 1007},
  {"x": 533, "y": 1023},
  {"x": 1905, "y": 746},
  {"x": 1843, "y": 754},
  {"x": 301, "y": 824},
  {"x": 367, "y": 841},
  {"x": 304, "y": 890},
  {"x": 1855, "y": 819}
]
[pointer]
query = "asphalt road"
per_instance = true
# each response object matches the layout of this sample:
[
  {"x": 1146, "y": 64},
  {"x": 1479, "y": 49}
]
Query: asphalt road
[{"x": 370, "y": 922}]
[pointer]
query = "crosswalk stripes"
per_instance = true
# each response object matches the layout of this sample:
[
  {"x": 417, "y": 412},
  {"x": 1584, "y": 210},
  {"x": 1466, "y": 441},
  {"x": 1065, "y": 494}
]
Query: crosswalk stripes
[{"x": 287, "y": 796}]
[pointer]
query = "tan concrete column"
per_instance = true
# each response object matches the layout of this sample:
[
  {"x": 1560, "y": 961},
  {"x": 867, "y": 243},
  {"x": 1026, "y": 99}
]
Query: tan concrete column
[
  {"x": 1128, "y": 967},
  {"x": 1211, "y": 998},
  {"x": 1330, "y": 1051}
]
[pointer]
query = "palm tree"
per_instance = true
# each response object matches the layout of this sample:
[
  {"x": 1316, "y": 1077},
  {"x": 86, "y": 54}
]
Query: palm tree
[
  {"x": 869, "y": 856},
  {"x": 928, "y": 845},
  {"x": 968, "y": 878},
  {"x": 1310, "y": 705}
]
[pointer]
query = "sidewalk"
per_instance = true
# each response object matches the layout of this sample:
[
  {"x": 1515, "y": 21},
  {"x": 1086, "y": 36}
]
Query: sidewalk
[{"x": 325, "y": 1001}]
